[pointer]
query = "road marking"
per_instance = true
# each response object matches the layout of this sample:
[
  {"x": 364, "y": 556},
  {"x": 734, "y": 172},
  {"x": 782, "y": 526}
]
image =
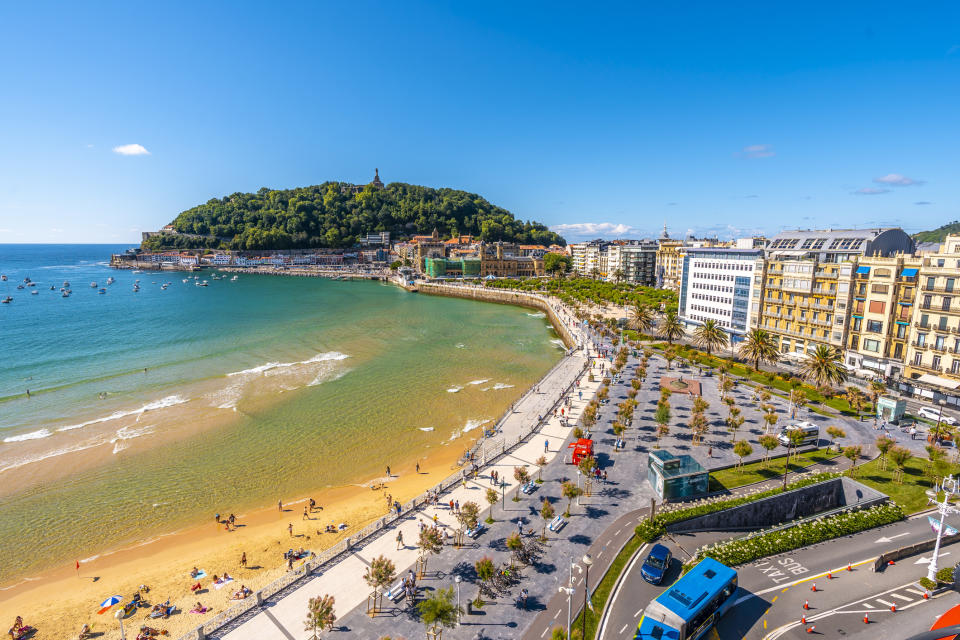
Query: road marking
[
  {"x": 885, "y": 603},
  {"x": 885, "y": 539},
  {"x": 868, "y": 605},
  {"x": 919, "y": 593},
  {"x": 617, "y": 532},
  {"x": 897, "y": 595},
  {"x": 774, "y": 599},
  {"x": 600, "y": 555},
  {"x": 927, "y": 560},
  {"x": 785, "y": 590},
  {"x": 819, "y": 575},
  {"x": 623, "y": 629},
  {"x": 544, "y": 632},
  {"x": 639, "y": 611},
  {"x": 556, "y": 614},
  {"x": 764, "y": 623}
]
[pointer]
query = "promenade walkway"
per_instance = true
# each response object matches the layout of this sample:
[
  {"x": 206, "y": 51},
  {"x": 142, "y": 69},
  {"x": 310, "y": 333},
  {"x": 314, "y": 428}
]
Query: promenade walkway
[{"x": 282, "y": 616}]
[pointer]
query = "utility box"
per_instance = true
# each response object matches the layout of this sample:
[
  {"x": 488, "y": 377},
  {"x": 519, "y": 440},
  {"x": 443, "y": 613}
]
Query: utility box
[{"x": 890, "y": 409}]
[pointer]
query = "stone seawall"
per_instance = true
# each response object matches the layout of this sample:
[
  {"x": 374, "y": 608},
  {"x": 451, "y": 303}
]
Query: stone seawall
[{"x": 516, "y": 298}]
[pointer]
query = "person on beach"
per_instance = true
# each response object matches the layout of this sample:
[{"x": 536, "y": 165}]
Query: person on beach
[
  {"x": 233, "y": 520},
  {"x": 456, "y": 506},
  {"x": 306, "y": 513},
  {"x": 451, "y": 504},
  {"x": 546, "y": 446},
  {"x": 418, "y": 467},
  {"x": 290, "y": 529},
  {"x": 216, "y": 518},
  {"x": 313, "y": 503},
  {"x": 280, "y": 506},
  {"x": 388, "y": 472},
  {"x": 400, "y": 544},
  {"x": 243, "y": 560}
]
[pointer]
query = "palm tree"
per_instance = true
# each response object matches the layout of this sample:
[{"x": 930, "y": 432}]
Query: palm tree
[
  {"x": 758, "y": 346},
  {"x": 595, "y": 273},
  {"x": 642, "y": 319},
  {"x": 671, "y": 328},
  {"x": 855, "y": 399},
  {"x": 618, "y": 275},
  {"x": 709, "y": 336},
  {"x": 824, "y": 367}
]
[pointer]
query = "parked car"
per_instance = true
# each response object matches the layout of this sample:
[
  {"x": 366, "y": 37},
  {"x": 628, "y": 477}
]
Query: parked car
[
  {"x": 656, "y": 564},
  {"x": 932, "y": 414}
]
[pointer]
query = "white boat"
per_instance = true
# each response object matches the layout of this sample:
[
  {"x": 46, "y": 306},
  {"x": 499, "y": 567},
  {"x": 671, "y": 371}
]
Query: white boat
[
  {"x": 137, "y": 271},
  {"x": 110, "y": 280},
  {"x": 66, "y": 285},
  {"x": 7, "y": 300},
  {"x": 201, "y": 284},
  {"x": 65, "y": 294},
  {"x": 34, "y": 293},
  {"x": 163, "y": 287},
  {"x": 233, "y": 278},
  {"x": 93, "y": 285},
  {"x": 31, "y": 284}
]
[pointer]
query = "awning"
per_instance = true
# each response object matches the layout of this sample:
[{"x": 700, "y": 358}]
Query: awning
[
  {"x": 939, "y": 381},
  {"x": 908, "y": 273},
  {"x": 863, "y": 270}
]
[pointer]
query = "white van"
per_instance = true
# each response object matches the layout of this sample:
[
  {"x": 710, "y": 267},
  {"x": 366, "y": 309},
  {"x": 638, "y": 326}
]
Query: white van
[
  {"x": 811, "y": 434},
  {"x": 932, "y": 414}
]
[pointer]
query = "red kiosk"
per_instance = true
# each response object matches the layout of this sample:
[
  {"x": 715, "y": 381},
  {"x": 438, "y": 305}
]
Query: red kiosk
[{"x": 582, "y": 448}]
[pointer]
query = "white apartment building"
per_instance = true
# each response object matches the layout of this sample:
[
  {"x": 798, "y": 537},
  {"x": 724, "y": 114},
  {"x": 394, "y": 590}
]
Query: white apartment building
[
  {"x": 723, "y": 285},
  {"x": 586, "y": 257}
]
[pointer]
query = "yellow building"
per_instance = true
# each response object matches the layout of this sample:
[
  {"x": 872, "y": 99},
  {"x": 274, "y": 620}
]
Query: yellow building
[
  {"x": 669, "y": 263},
  {"x": 883, "y": 293},
  {"x": 807, "y": 284}
]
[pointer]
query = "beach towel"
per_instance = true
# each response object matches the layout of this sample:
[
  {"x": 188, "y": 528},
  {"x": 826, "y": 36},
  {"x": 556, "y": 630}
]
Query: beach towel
[
  {"x": 219, "y": 585},
  {"x": 202, "y": 574},
  {"x": 204, "y": 610}
]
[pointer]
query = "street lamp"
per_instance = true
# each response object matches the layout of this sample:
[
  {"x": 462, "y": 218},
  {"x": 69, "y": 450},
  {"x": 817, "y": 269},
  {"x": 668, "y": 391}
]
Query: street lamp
[
  {"x": 950, "y": 487},
  {"x": 569, "y": 592},
  {"x": 936, "y": 431},
  {"x": 587, "y": 561},
  {"x": 458, "y": 580},
  {"x": 578, "y": 486}
]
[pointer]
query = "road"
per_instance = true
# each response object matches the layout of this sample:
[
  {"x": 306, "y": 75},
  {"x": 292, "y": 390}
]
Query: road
[{"x": 773, "y": 590}]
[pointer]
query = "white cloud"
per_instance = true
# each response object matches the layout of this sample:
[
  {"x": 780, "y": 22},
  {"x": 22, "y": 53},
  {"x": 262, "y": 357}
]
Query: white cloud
[
  {"x": 898, "y": 180},
  {"x": 870, "y": 191},
  {"x": 131, "y": 150},
  {"x": 6, "y": 230},
  {"x": 592, "y": 229},
  {"x": 758, "y": 151}
]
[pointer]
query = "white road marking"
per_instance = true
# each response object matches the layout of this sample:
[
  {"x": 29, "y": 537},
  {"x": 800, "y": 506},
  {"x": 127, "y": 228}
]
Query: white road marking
[
  {"x": 623, "y": 629},
  {"x": 617, "y": 532},
  {"x": 557, "y": 614},
  {"x": 544, "y": 632},
  {"x": 919, "y": 593},
  {"x": 868, "y": 605},
  {"x": 637, "y": 614},
  {"x": 897, "y": 595},
  {"x": 884, "y": 602}
]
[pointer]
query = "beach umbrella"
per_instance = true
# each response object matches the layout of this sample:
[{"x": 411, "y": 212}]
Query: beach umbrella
[{"x": 109, "y": 602}]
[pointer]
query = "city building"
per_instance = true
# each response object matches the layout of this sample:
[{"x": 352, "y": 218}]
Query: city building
[
  {"x": 807, "y": 284},
  {"x": 721, "y": 284},
  {"x": 669, "y": 261},
  {"x": 376, "y": 239},
  {"x": 883, "y": 294},
  {"x": 620, "y": 260},
  {"x": 585, "y": 258},
  {"x": 932, "y": 366}
]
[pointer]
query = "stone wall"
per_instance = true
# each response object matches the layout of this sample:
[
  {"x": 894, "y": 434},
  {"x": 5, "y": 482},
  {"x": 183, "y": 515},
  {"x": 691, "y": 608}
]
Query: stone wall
[
  {"x": 804, "y": 502},
  {"x": 517, "y": 298}
]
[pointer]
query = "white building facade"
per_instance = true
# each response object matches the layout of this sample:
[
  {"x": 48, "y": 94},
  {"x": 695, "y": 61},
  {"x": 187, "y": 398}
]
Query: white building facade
[{"x": 722, "y": 285}]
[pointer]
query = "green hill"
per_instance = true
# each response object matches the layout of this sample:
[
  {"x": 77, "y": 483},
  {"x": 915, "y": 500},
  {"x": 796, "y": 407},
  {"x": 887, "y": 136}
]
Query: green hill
[
  {"x": 937, "y": 235},
  {"x": 335, "y": 214}
]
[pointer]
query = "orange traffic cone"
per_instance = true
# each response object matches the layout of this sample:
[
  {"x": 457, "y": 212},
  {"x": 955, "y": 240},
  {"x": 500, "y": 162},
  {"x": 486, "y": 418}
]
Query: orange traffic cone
[
  {"x": 893, "y": 608},
  {"x": 813, "y": 587},
  {"x": 803, "y": 619},
  {"x": 891, "y": 563},
  {"x": 849, "y": 568},
  {"x": 866, "y": 619},
  {"x": 806, "y": 604},
  {"x": 829, "y": 576},
  {"x": 810, "y": 629},
  {"x": 926, "y": 595}
]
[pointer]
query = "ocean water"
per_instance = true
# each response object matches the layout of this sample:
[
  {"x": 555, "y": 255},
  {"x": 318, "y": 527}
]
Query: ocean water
[{"x": 151, "y": 410}]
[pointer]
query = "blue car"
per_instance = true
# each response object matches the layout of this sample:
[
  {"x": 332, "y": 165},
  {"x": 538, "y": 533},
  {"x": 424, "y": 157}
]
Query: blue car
[{"x": 656, "y": 564}]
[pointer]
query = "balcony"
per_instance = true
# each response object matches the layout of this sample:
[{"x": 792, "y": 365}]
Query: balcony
[
  {"x": 919, "y": 345},
  {"x": 940, "y": 289},
  {"x": 826, "y": 274},
  {"x": 774, "y": 286},
  {"x": 927, "y": 367},
  {"x": 820, "y": 323},
  {"x": 935, "y": 309},
  {"x": 941, "y": 349}
]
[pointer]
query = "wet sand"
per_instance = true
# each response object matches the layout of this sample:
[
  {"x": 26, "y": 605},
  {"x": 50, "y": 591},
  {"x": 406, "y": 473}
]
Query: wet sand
[{"x": 59, "y": 602}]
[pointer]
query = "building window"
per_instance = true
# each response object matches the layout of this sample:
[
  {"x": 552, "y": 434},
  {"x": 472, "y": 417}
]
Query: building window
[
  {"x": 877, "y": 306},
  {"x": 917, "y": 359},
  {"x": 936, "y": 362},
  {"x": 856, "y": 324},
  {"x": 898, "y": 350},
  {"x": 871, "y": 345},
  {"x": 946, "y": 304},
  {"x": 874, "y": 326},
  {"x": 901, "y": 331},
  {"x": 931, "y": 282}
]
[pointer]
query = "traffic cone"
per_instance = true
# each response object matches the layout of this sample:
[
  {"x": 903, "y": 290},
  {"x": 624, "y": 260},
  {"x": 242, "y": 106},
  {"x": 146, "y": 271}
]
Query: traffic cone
[
  {"x": 806, "y": 604},
  {"x": 829, "y": 576},
  {"x": 813, "y": 587},
  {"x": 893, "y": 608},
  {"x": 803, "y": 619},
  {"x": 866, "y": 619},
  {"x": 891, "y": 563},
  {"x": 926, "y": 595},
  {"x": 810, "y": 629},
  {"x": 849, "y": 568}
]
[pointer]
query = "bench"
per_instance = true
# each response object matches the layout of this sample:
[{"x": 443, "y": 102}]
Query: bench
[
  {"x": 529, "y": 488},
  {"x": 396, "y": 592},
  {"x": 556, "y": 524},
  {"x": 476, "y": 531}
]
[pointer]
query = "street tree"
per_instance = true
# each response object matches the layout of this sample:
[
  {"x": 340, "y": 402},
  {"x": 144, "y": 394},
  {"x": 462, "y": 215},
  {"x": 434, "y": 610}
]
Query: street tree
[
  {"x": 742, "y": 449},
  {"x": 570, "y": 491},
  {"x": 769, "y": 443},
  {"x": 852, "y": 453},
  {"x": 320, "y": 615},
  {"x": 758, "y": 347},
  {"x": 884, "y": 444},
  {"x": 381, "y": 573},
  {"x": 438, "y": 612},
  {"x": 547, "y": 513}
]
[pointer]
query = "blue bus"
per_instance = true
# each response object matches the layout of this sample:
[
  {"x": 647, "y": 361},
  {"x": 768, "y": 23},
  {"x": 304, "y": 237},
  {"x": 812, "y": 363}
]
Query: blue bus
[{"x": 689, "y": 607}]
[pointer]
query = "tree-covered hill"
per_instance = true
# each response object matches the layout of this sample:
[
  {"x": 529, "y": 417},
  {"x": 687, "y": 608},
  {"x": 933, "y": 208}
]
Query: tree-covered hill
[
  {"x": 322, "y": 216},
  {"x": 937, "y": 235}
]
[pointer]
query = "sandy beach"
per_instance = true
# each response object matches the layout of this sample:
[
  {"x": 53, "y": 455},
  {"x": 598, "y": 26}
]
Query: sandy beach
[{"x": 59, "y": 602}]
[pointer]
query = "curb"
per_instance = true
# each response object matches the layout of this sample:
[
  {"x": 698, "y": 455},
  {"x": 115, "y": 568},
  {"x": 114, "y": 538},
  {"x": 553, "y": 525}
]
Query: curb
[{"x": 602, "y": 626}]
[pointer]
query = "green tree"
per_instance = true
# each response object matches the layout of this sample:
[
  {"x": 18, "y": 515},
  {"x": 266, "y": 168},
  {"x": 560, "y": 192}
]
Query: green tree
[
  {"x": 320, "y": 615},
  {"x": 429, "y": 543},
  {"x": 671, "y": 328},
  {"x": 515, "y": 545},
  {"x": 824, "y": 367},
  {"x": 710, "y": 336},
  {"x": 884, "y": 444},
  {"x": 758, "y": 347},
  {"x": 547, "y": 513},
  {"x": 836, "y": 433},
  {"x": 852, "y": 453},
  {"x": 742, "y": 449},
  {"x": 662, "y": 417},
  {"x": 899, "y": 456},
  {"x": 769, "y": 443},
  {"x": 485, "y": 570},
  {"x": 381, "y": 573},
  {"x": 641, "y": 319},
  {"x": 570, "y": 491},
  {"x": 557, "y": 264},
  {"x": 669, "y": 354},
  {"x": 492, "y": 498},
  {"x": 438, "y": 611}
]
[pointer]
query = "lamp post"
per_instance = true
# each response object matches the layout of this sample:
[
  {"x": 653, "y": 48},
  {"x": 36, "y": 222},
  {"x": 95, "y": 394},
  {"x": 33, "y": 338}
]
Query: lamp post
[
  {"x": 458, "y": 580},
  {"x": 950, "y": 487},
  {"x": 936, "y": 431},
  {"x": 503, "y": 495},
  {"x": 578, "y": 486},
  {"x": 569, "y": 592},
  {"x": 587, "y": 561}
]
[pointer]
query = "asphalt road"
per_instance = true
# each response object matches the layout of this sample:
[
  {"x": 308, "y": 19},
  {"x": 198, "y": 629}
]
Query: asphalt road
[{"x": 773, "y": 590}]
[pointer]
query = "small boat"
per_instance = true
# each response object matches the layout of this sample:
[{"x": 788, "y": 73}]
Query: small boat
[
  {"x": 137, "y": 271},
  {"x": 65, "y": 294},
  {"x": 31, "y": 284},
  {"x": 163, "y": 287},
  {"x": 136, "y": 288},
  {"x": 26, "y": 280},
  {"x": 66, "y": 285},
  {"x": 93, "y": 285},
  {"x": 34, "y": 293},
  {"x": 102, "y": 291},
  {"x": 53, "y": 288},
  {"x": 233, "y": 278},
  {"x": 19, "y": 286},
  {"x": 7, "y": 300},
  {"x": 185, "y": 280},
  {"x": 201, "y": 284},
  {"x": 110, "y": 280}
]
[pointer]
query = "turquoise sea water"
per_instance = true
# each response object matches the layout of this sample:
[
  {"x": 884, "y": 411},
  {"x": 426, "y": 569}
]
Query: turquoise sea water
[{"x": 255, "y": 389}]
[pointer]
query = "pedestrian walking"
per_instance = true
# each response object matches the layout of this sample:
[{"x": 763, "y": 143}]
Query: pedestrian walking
[
  {"x": 456, "y": 506},
  {"x": 418, "y": 467},
  {"x": 709, "y": 452},
  {"x": 216, "y": 518},
  {"x": 233, "y": 519},
  {"x": 451, "y": 504},
  {"x": 290, "y": 529},
  {"x": 243, "y": 560},
  {"x": 400, "y": 544},
  {"x": 305, "y": 516},
  {"x": 519, "y": 526},
  {"x": 546, "y": 446},
  {"x": 280, "y": 505},
  {"x": 313, "y": 503},
  {"x": 388, "y": 472}
]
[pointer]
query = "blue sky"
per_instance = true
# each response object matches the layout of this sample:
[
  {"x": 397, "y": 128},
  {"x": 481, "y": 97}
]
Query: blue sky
[{"x": 597, "y": 119}]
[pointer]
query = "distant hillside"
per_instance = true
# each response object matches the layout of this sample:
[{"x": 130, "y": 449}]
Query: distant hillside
[
  {"x": 937, "y": 235},
  {"x": 335, "y": 214}
]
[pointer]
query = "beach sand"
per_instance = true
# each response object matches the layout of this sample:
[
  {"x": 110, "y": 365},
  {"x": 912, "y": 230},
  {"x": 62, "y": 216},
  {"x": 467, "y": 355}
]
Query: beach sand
[{"x": 59, "y": 602}]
